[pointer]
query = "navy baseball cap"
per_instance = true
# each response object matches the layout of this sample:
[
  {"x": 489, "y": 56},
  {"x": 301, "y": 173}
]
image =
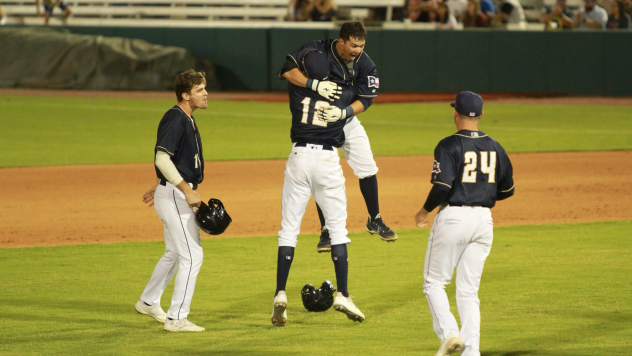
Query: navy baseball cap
[
  {"x": 316, "y": 65},
  {"x": 468, "y": 104}
]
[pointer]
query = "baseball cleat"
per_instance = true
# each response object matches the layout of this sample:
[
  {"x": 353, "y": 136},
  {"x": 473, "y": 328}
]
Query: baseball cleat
[
  {"x": 451, "y": 345},
  {"x": 377, "y": 226},
  {"x": 279, "y": 312},
  {"x": 324, "y": 245},
  {"x": 345, "y": 305},
  {"x": 154, "y": 311},
  {"x": 182, "y": 326}
]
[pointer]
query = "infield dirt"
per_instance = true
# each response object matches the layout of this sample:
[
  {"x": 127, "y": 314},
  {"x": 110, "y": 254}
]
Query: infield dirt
[{"x": 102, "y": 203}]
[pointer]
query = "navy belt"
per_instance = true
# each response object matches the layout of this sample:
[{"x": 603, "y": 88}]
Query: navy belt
[
  {"x": 163, "y": 182},
  {"x": 325, "y": 146},
  {"x": 469, "y": 206}
]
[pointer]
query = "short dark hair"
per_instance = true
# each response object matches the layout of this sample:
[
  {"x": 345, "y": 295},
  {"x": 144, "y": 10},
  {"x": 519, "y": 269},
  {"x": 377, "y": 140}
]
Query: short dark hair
[
  {"x": 185, "y": 81},
  {"x": 352, "y": 29}
]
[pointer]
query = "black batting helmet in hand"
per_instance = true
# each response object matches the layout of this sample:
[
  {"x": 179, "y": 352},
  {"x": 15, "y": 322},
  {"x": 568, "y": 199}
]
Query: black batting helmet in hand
[
  {"x": 318, "y": 300},
  {"x": 212, "y": 218}
]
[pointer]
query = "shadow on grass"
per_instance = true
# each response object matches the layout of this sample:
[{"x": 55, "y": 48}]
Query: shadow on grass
[{"x": 508, "y": 353}]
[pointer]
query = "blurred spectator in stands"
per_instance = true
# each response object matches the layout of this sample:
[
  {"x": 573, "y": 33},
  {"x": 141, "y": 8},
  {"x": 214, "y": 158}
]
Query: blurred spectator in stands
[
  {"x": 443, "y": 17},
  {"x": 627, "y": 6},
  {"x": 618, "y": 19},
  {"x": 560, "y": 16},
  {"x": 49, "y": 5},
  {"x": 509, "y": 12},
  {"x": 473, "y": 17},
  {"x": 457, "y": 8},
  {"x": 488, "y": 9},
  {"x": 299, "y": 10},
  {"x": 324, "y": 10},
  {"x": 592, "y": 16},
  {"x": 3, "y": 16},
  {"x": 421, "y": 11}
]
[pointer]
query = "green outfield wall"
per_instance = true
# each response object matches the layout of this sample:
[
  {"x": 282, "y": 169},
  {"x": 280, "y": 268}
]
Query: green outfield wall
[{"x": 569, "y": 62}]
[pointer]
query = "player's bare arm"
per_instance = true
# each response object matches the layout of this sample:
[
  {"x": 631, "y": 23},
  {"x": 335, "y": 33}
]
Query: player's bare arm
[{"x": 193, "y": 198}]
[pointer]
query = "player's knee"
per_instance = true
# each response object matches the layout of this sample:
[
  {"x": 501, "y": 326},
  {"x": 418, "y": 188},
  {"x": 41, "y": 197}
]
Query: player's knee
[{"x": 366, "y": 172}]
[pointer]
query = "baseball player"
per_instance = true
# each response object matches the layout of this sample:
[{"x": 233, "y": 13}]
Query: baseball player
[
  {"x": 471, "y": 172},
  {"x": 313, "y": 168},
  {"x": 49, "y": 6},
  {"x": 355, "y": 73},
  {"x": 180, "y": 168}
]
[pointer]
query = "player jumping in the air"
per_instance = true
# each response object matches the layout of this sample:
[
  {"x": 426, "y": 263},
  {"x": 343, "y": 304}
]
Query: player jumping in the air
[
  {"x": 355, "y": 73},
  {"x": 471, "y": 172},
  {"x": 313, "y": 168}
]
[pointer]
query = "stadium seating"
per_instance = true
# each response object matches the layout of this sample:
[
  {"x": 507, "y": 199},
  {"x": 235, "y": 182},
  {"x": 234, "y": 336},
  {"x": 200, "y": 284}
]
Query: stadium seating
[{"x": 207, "y": 12}]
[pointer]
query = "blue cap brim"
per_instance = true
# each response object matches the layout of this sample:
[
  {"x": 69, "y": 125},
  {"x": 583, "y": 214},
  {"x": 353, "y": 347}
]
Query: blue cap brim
[{"x": 453, "y": 104}]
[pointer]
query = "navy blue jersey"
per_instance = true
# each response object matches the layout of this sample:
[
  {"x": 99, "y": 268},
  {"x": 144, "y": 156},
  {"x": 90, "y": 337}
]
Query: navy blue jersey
[
  {"x": 179, "y": 137},
  {"x": 363, "y": 84},
  {"x": 306, "y": 127},
  {"x": 474, "y": 167}
]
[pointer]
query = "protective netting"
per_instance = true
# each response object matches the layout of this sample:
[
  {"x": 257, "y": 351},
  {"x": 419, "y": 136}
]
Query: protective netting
[{"x": 58, "y": 59}]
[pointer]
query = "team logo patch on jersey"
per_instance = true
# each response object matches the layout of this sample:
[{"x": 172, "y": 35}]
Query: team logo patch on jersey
[
  {"x": 435, "y": 168},
  {"x": 374, "y": 82}
]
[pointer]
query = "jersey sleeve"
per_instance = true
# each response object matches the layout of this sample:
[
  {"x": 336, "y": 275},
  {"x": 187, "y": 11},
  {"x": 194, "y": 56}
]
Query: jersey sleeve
[
  {"x": 444, "y": 169},
  {"x": 368, "y": 83},
  {"x": 170, "y": 133},
  {"x": 292, "y": 59},
  {"x": 505, "y": 187}
]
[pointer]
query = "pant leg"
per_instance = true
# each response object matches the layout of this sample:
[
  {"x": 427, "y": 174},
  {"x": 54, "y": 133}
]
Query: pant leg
[
  {"x": 357, "y": 150},
  {"x": 163, "y": 273},
  {"x": 468, "y": 277},
  {"x": 179, "y": 219},
  {"x": 445, "y": 246},
  {"x": 328, "y": 188},
  {"x": 296, "y": 194}
]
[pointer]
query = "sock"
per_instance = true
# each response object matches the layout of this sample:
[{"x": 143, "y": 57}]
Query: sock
[
  {"x": 284, "y": 262},
  {"x": 368, "y": 187},
  {"x": 320, "y": 216},
  {"x": 341, "y": 265}
]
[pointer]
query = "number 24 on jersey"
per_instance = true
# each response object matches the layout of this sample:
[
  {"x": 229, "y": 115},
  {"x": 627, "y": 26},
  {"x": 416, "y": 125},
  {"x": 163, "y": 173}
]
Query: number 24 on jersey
[{"x": 488, "y": 166}]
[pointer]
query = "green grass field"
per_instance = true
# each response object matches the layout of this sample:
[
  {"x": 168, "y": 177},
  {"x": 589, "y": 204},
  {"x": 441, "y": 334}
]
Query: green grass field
[
  {"x": 59, "y": 131},
  {"x": 546, "y": 290}
]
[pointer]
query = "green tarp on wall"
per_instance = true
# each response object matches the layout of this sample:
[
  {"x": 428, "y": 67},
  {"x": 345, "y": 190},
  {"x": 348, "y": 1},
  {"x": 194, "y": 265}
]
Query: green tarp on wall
[{"x": 58, "y": 59}]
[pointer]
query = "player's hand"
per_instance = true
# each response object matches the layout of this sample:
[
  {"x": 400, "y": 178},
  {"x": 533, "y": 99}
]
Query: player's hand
[
  {"x": 421, "y": 218},
  {"x": 326, "y": 89},
  {"x": 331, "y": 113},
  {"x": 148, "y": 197},
  {"x": 193, "y": 199}
]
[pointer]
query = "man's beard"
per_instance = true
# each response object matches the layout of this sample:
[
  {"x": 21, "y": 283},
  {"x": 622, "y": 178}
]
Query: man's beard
[{"x": 589, "y": 8}]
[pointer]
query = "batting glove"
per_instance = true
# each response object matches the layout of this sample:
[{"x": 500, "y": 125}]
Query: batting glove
[
  {"x": 326, "y": 89},
  {"x": 334, "y": 113}
]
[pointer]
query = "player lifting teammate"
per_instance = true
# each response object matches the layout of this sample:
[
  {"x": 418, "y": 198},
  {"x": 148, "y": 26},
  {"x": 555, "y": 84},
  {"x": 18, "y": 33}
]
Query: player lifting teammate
[
  {"x": 313, "y": 168},
  {"x": 471, "y": 172},
  {"x": 356, "y": 75}
]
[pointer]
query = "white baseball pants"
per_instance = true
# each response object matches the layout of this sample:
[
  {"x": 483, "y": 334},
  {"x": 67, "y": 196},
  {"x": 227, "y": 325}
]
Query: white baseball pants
[
  {"x": 313, "y": 171},
  {"x": 461, "y": 237},
  {"x": 357, "y": 150},
  {"x": 183, "y": 252}
]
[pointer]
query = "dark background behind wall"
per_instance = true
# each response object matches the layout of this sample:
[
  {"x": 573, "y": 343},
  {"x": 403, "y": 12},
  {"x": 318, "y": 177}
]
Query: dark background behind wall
[{"x": 555, "y": 62}]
